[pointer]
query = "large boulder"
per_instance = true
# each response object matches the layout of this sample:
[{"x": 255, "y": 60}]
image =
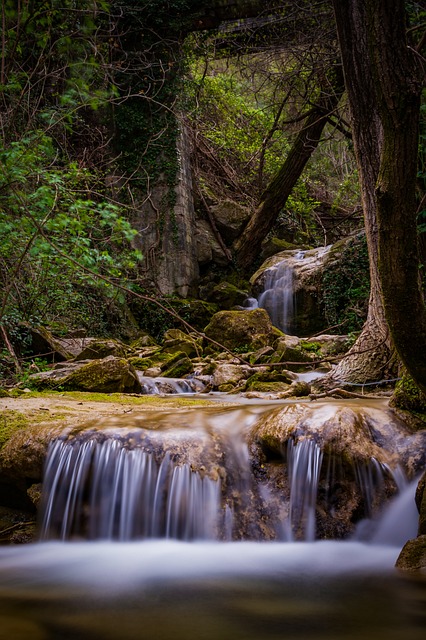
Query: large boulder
[
  {"x": 108, "y": 375},
  {"x": 98, "y": 348},
  {"x": 249, "y": 330},
  {"x": 230, "y": 218},
  {"x": 351, "y": 450}
]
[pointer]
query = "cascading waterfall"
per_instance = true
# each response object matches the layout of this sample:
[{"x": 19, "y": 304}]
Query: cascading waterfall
[
  {"x": 278, "y": 295},
  {"x": 201, "y": 476},
  {"x": 304, "y": 460},
  {"x": 107, "y": 491},
  {"x": 120, "y": 487}
]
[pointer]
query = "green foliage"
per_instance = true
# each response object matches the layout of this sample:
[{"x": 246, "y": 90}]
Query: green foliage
[
  {"x": 48, "y": 224},
  {"x": 346, "y": 288}
]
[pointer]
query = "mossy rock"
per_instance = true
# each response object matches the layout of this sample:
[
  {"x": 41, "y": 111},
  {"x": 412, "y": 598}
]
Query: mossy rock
[
  {"x": 413, "y": 555},
  {"x": 235, "y": 329},
  {"x": 176, "y": 341},
  {"x": 108, "y": 375},
  {"x": 268, "y": 377},
  {"x": 4, "y": 393},
  {"x": 179, "y": 368},
  {"x": 227, "y": 295},
  {"x": 268, "y": 387},
  {"x": 98, "y": 349},
  {"x": 407, "y": 396},
  {"x": 293, "y": 357},
  {"x": 140, "y": 364},
  {"x": 143, "y": 341}
]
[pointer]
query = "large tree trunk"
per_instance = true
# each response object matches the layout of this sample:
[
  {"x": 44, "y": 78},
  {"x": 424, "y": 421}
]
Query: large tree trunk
[
  {"x": 247, "y": 246},
  {"x": 384, "y": 102}
]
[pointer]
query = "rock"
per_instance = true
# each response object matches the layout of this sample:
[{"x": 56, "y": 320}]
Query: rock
[
  {"x": 353, "y": 442},
  {"x": 177, "y": 341},
  {"x": 97, "y": 349},
  {"x": 45, "y": 345},
  {"x": 288, "y": 350},
  {"x": 207, "y": 246},
  {"x": 297, "y": 389},
  {"x": 325, "y": 344},
  {"x": 229, "y": 374},
  {"x": 250, "y": 330},
  {"x": 227, "y": 295},
  {"x": 230, "y": 218},
  {"x": 413, "y": 555},
  {"x": 408, "y": 397},
  {"x": 275, "y": 380},
  {"x": 4, "y": 393},
  {"x": 144, "y": 340},
  {"x": 178, "y": 367},
  {"x": 421, "y": 504},
  {"x": 107, "y": 375}
]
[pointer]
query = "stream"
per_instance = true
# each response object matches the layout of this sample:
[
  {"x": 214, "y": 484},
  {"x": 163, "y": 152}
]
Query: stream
[{"x": 100, "y": 572}]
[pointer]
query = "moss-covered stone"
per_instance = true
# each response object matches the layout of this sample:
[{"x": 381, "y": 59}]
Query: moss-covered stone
[
  {"x": 179, "y": 368},
  {"x": 268, "y": 387},
  {"x": 4, "y": 393},
  {"x": 237, "y": 329},
  {"x": 408, "y": 396},
  {"x": 268, "y": 377},
  {"x": 98, "y": 349},
  {"x": 227, "y": 295},
  {"x": 108, "y": 375},
  {"x": 413, "y": 555},
  {"x": 10, "y": 421},
  {"x": 176, "y": 341}
]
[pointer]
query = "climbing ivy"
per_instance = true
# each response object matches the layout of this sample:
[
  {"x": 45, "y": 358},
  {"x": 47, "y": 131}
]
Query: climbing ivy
[{"x": 346, "y": 287}]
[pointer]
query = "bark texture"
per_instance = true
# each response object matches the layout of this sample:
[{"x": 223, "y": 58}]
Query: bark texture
[
  {"x": 248, "y": 245},
  {"x": 381, "y": 79}
]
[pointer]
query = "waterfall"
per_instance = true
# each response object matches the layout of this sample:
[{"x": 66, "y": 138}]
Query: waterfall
[
  {"x": 304, "y": 460},
  {"x": 278, "y": 295},
  {"x": 107, "y": 491}
]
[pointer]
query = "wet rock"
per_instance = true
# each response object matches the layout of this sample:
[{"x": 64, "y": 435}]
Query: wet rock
[
  {"x": 355, "y": 444},
  {"x": 229, "y": 374},
  {"x": 241, "y": 329},
  {"x": 413, "y": 555},
  {"x": 421, "y": 504}
]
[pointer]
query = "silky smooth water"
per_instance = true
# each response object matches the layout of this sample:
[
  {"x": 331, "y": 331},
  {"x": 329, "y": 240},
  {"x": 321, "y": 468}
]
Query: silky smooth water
[{"x": 170, "y": 590}]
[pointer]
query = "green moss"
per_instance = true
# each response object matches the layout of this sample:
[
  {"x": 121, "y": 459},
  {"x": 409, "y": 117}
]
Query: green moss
[
  {"x": 141, "y": 363},
  {"x": 268, "y": 387},
  {"x": 10, "y": 422},
  {"x": 312, "y": 347},
  {"x": 407, "y": 396}
]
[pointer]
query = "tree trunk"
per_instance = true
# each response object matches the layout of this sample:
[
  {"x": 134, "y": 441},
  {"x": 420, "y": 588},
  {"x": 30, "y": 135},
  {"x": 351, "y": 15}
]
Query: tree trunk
[
  {"x": 384, "y": 101},
  {"x": 247, "y": 246}
]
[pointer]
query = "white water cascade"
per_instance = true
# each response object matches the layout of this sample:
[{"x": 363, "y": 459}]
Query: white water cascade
[
  {"x": 278, "y": 295},
  {"x": 152, "y": 528},
  {"x": 128, "y": 495}
]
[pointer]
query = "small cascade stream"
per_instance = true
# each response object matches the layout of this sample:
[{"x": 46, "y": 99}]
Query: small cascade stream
[{"x": 205, "y": 522}]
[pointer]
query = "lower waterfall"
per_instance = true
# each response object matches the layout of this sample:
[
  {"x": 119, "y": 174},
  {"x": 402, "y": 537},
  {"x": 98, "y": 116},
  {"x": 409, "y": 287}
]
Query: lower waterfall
[{"x": 204, "y": 523}]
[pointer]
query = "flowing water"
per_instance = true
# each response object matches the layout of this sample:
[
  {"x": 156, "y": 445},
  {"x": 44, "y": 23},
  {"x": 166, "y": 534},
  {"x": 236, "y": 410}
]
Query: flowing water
[
  {"x": 154, "y": 528},
  {"x": 278, "y": 295}
]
